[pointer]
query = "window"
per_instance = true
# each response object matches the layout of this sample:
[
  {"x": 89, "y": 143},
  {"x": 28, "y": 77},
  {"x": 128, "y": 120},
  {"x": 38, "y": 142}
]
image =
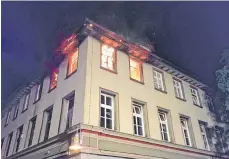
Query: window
[
  {"x": 72, "y": 62},
  {"x": 178, "y": 89},
  {"x": 158, "y": 80},
  {"x": 195, "y": 96},
  {"x": 8, "y": 117},
  {"x": 16, "y": 111},
  {"x": 53, "y": 80},
  {"x": 19, "y": 136},
  {"x": 209, "y": 103},
  {"x": 70, "y": 111},
  {"x": 204, "y": 135},
  {"x": 138, "y": 119},
  {"x": 136, "y": 69},
  {"x": 106, "y": 110},
  {"x": 32, "y": 128},
  {"x": 48, "y": 115},
  {"x": 2, "y": 141},
  {"x": 26, "y": 102},
  {"x": 108, "y": 58},
  {"x": 164, "y": 126},
  {"x": 219, "y": 145},
  {"x": 185, "y": 130},
  {"x": 8, "y": 143},
  {"x": 38, "y": 92}
]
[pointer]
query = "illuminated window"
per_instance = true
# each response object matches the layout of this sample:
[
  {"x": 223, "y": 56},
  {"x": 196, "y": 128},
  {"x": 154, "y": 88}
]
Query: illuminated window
[
  {"x": 185, "y": 130},
  {"x": 138, "y": 119},
  {"x": 53, "y": 80},
  {"x": 195, "y": 96},
  {"x": 178, "y": 89},
  {"x": 108, "y": 58},
  {"x": 106, "y": 110},
  {"x": 158, "y": 80},
  {"x": 164, "y": 126},
  {"x": 135, "y": 69},
  {"x": 72, "y": 62},
  {"x": 204, "y": 135}
]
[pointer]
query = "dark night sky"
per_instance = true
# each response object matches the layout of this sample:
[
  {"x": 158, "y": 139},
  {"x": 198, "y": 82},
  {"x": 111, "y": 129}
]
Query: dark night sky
[{"x": 194, "y": 33}]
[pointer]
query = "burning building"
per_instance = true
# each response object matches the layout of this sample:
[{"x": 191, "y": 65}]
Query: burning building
[{"x": 105, "y": 97}]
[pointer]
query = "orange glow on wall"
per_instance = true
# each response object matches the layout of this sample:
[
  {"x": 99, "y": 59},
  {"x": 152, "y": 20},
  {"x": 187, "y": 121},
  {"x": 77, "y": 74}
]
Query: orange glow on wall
[
  {"x": 110, "y": 42},
  {"x": 72, "y": 61}
]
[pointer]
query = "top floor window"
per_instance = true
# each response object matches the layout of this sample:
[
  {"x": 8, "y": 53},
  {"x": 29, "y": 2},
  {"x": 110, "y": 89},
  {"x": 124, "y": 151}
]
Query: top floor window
[
  {"x": 7, "y": 117},
  {"x": 26, "y": 102},
  {"x": 158, "y": 80},
  {"x": 195, "y": 96},
  {"x": 178, "y": 89},
  {"x": 136, "y": 69},
  {"x": 72, "y": 62},
  {"x": 38, "y": 92},
  {"x": 108, "y": 58},
  {"x": 53, "y": 80},
  {"x": 16, "y": 111}
]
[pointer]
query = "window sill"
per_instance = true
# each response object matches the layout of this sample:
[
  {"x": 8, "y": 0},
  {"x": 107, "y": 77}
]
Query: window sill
[
  {"x": 198, "y": 105},
  {"x": 160, "y": 90},
  {"x": 106, "y": 69},
  {"x": 36, "y": 100},
  {"x": 141, "y": 82},
  {"x": 68, "y": 76},
  {"x": 184, "y": 100},
  {"x": 5, "y": 125},
  {"x": 24, "y": 110},
  {"x": 14, "y": 119}
]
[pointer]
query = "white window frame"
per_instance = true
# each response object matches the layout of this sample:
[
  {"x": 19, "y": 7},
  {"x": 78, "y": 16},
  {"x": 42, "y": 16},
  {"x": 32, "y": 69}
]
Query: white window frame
[
  {"x": 140, "y": 115},
  {"x": 158, "y": 80},
  {"x": 37, "y": 95},
  {"x": 195, "y": 93},
  {"x": 8, "y": 117},
  {"x": 204, "y": 135},
  {"x": 186, "y": 127},
  {"x": 26, "y": 102},
  {"x": 178, "y": 89},
  {"x": 108, "y": 58},
  {"x": 16, "y": 111},
  {"x": 165, "y": 122},
  {"x": 70, "y": 111},
  {"x": 111, "y": 108}
]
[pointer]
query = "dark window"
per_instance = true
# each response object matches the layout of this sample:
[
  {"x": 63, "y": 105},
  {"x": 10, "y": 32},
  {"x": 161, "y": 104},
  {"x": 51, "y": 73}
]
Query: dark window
[
  {"x": 48, "y": 123},
  {"x": 8, "y": 143},
  {"x": 70, "y": 112},
  {"x": 2, "y": 141},
  {"x": 8, "y": 117},
  {"x": 16, "y": 111},
  {"x": 38, "y": 92},
  {"x": 18, "y": 138},
  {"x": 32, "y": 128}
]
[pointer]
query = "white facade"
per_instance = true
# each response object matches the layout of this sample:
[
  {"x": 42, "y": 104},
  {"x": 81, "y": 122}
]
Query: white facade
[{"x": 87, "y": 83}]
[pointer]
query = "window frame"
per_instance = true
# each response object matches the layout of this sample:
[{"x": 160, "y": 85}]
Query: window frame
[
  {"x": 197, "y": 96},
  {"x": 32, "y": 123},
  {"x": 19, "y": 136},
  {"x": 8, "y": 117},
  {"x": 140, "y": 67},
  {"x": 180, "y": 87},
  {"x": 71, "y": 97},
  {"x": 8, "y": 144},
  {"x": 105, "y": 107},
  {"x": 16, "y": 111},
  {"x": 51, "y": 79},
  {"x": 114, "y": 56},
  {"x": 26, "y": 102},
  {"x": 135, "y": 115},
  {"x": 2, "y": 142},
  {"x": 68, "y": 74},
  {"x": 166, "y": 122},
  {"x": 187, "y": 129},
  {"x": 38, "y": 92},
  {"x": 162, "y": 80},
  {"x": 48, "y": 123},
  {"x": 203, "y": 133}
]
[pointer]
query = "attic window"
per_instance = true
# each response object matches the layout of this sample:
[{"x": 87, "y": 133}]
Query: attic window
[
  {"x": 53, "y": 80},
  {"x": 108, "y": 58}
]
